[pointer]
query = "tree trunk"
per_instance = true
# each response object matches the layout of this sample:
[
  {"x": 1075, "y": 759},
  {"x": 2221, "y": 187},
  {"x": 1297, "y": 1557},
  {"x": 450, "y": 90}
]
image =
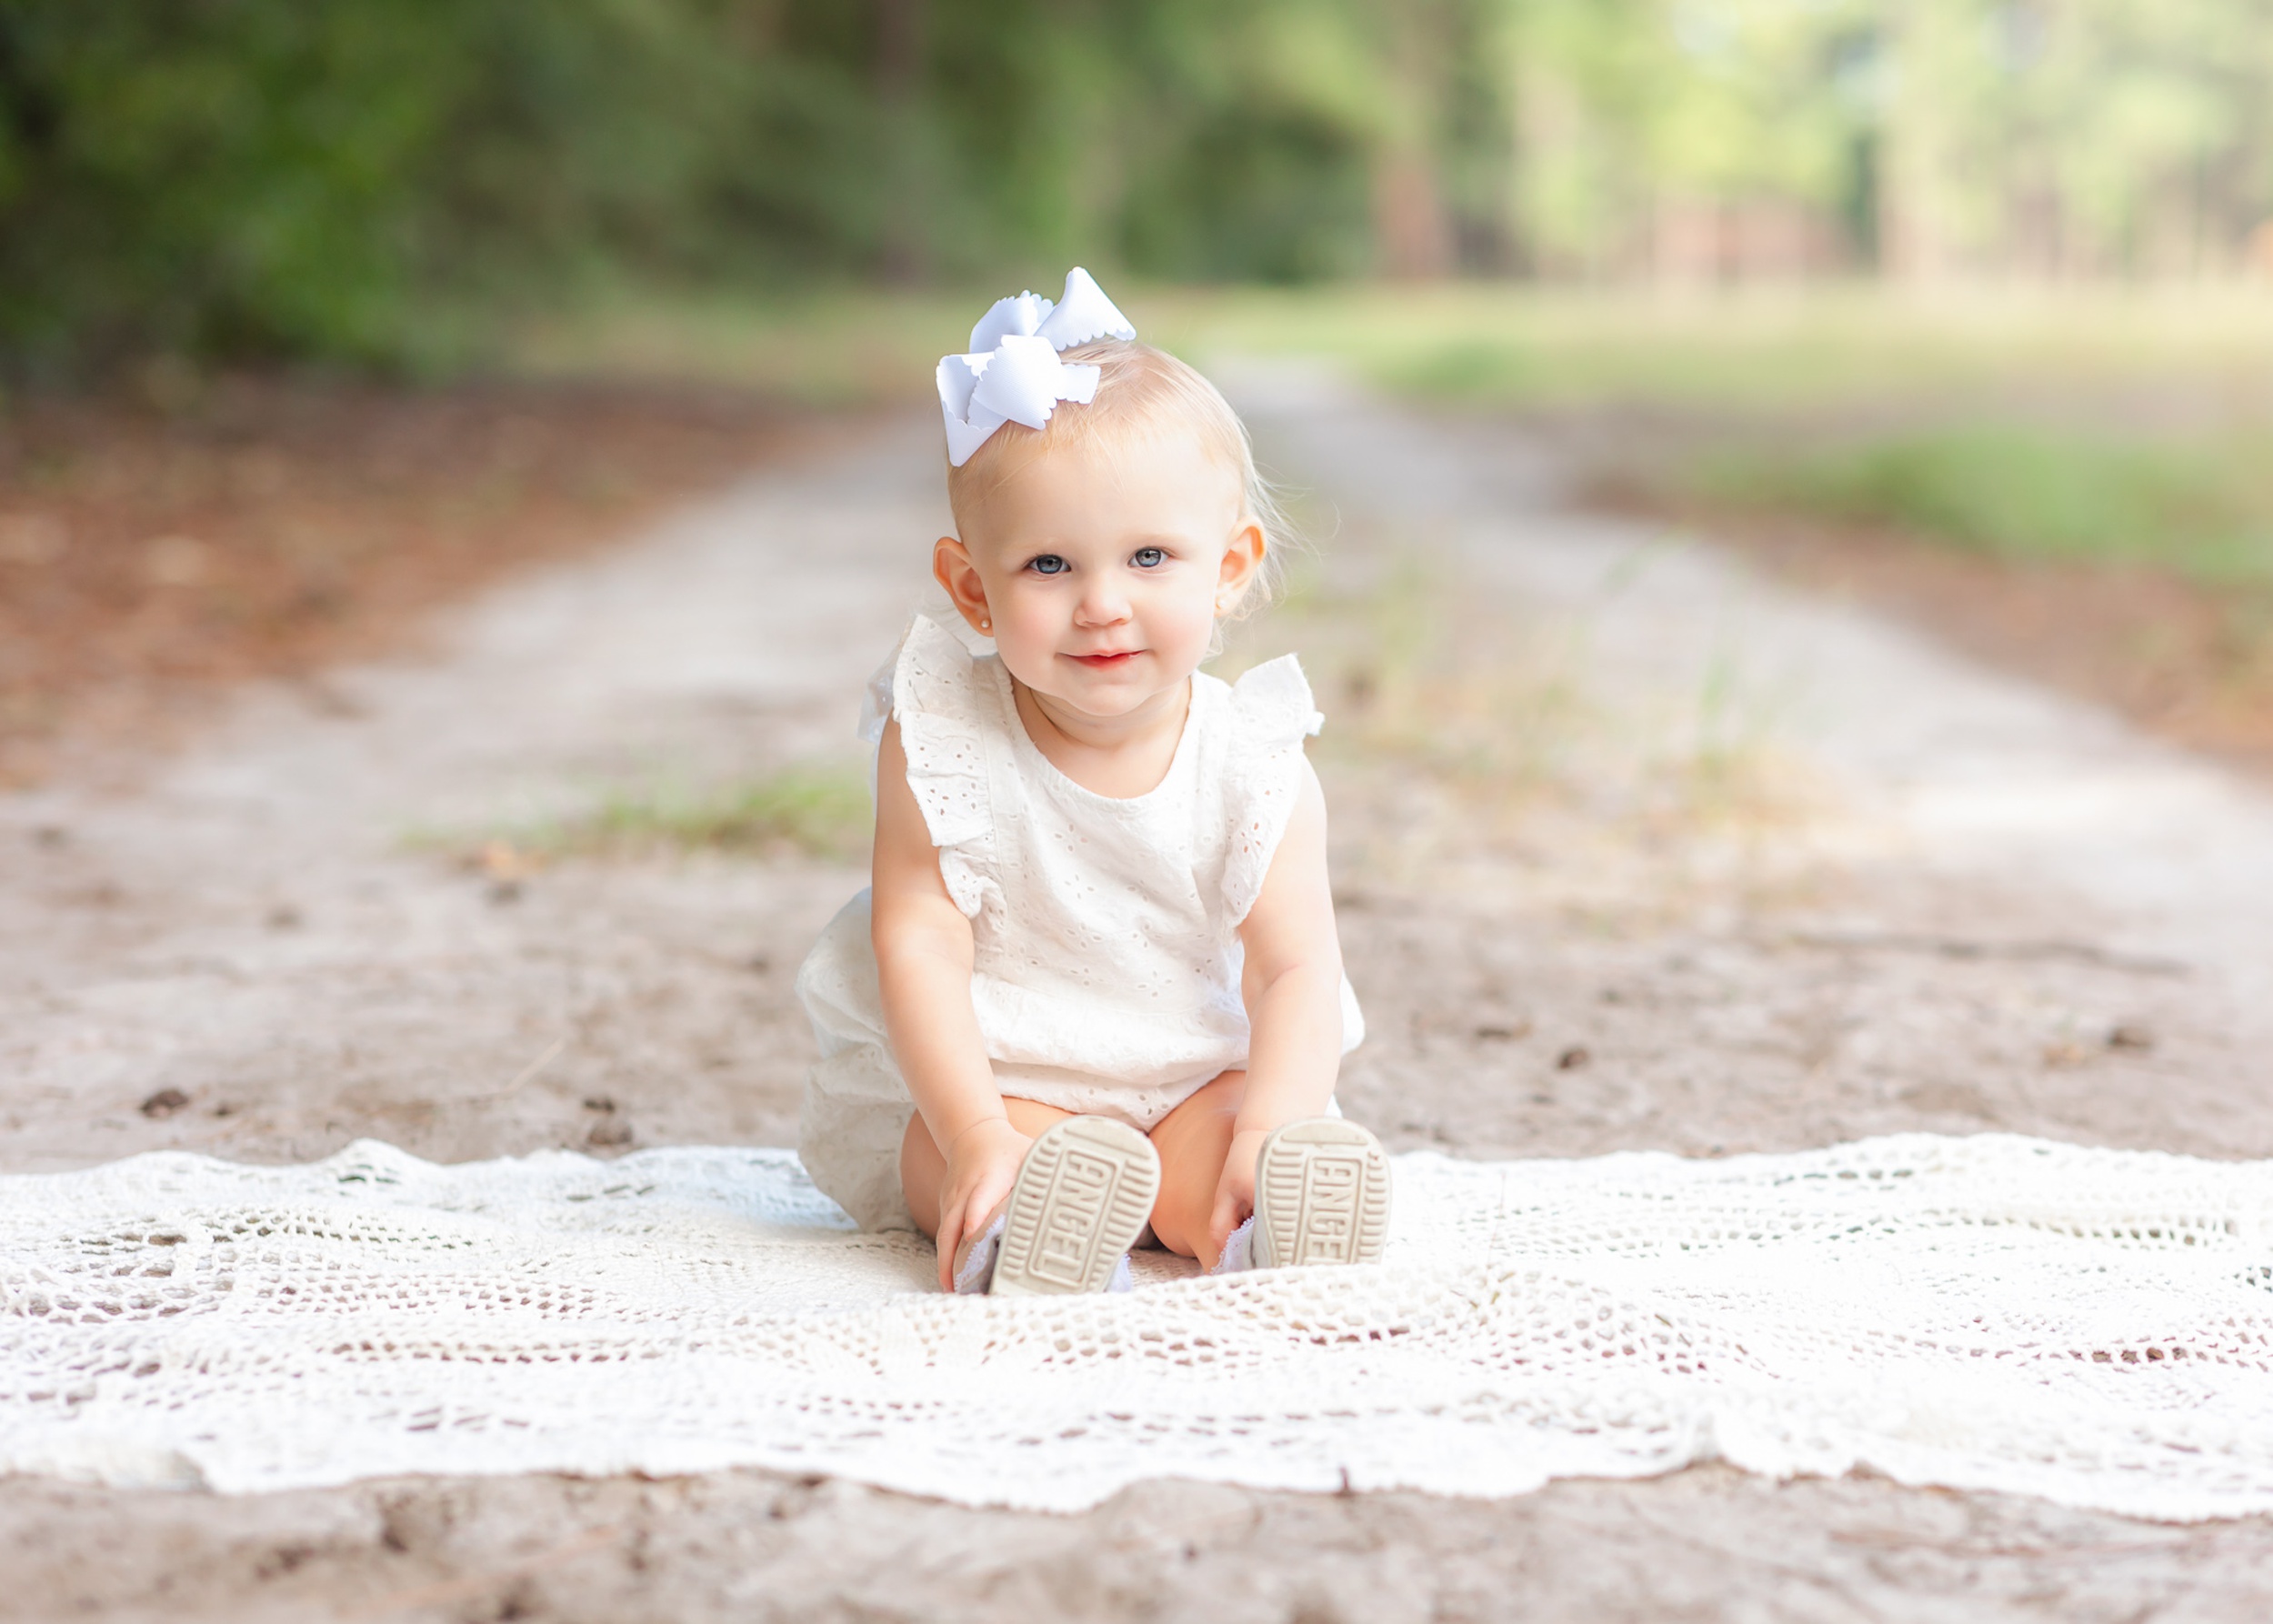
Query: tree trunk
[{"x": 901, "y": 26}]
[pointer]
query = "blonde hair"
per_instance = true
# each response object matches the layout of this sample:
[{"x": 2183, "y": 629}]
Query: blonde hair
[{"x": 1141, "y": 389}]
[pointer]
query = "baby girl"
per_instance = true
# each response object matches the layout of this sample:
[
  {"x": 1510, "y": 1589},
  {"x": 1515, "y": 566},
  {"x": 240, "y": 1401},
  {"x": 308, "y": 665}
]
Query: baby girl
[{"x": 1093, "y": 992}]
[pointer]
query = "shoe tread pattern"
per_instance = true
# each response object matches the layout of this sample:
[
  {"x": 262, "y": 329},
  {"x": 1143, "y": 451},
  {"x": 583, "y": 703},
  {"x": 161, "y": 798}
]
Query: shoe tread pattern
[
  {"x": 1084, "y": 1194},
  {"x": 1321, "y": 1194}
]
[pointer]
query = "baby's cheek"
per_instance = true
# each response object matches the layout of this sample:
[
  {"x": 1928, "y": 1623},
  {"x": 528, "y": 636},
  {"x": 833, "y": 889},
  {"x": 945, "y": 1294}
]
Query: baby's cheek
[
  {"x": 1193, "y": 615},
  {"x": 1028, "y": 649}
]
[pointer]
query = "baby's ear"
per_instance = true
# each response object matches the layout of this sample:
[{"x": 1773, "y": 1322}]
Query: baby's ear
[
  {"x": 1242, "y": 563},
  {"x": 951, "y": 566}
]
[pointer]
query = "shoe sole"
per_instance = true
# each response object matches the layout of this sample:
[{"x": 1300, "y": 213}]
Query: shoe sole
[
  {"x": 1084, "y": 1194},
  {"x": 1321, "y": 1194}
]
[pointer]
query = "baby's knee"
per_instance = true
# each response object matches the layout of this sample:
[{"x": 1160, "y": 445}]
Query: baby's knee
[{"x": 1180, "y": 1215}]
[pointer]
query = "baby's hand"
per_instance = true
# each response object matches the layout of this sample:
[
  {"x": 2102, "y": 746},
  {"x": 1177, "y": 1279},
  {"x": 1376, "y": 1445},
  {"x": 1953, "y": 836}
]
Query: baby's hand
[
  {"x": 1235, "y": 1191},
  {"x": 982, "y": 1165}
]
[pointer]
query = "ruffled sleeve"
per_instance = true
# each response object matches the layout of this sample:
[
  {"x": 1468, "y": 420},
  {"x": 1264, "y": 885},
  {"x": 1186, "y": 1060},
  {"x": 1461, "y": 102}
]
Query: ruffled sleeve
[
  {"x": 1271, "y": 715},
  {"x": 936, "y": 697}
]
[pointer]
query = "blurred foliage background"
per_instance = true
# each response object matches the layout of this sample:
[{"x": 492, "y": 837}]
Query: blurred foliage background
[
  {"x": 382, "y": 181},
  {"x": 1969, "y": 301}
]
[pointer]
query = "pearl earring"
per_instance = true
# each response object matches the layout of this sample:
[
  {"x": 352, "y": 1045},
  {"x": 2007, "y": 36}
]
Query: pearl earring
[{"x": 986, "y": 625}]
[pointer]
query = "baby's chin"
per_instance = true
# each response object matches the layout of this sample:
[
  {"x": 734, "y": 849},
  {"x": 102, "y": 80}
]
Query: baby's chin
[
  {"x": 1110, "y": 693},
  {"x": 1108, "y": 701}
]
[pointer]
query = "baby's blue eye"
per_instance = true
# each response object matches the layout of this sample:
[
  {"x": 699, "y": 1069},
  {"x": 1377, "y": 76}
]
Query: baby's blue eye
[
  {"x": 1049, "y": 563},
  {"x": 1149, "y": 558}
]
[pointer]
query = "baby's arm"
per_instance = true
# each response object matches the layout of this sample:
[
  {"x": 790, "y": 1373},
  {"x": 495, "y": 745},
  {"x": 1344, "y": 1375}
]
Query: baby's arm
[
  {"x": 1293, "y": 988},
  {"x": 923, "y": 945}
]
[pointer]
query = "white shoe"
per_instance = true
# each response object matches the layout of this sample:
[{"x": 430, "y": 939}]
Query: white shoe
[
  {"x": 1083, "y": 1195},
  {"x": 975, "y": 1260},
  {"x": 1321, "y": 1196}
]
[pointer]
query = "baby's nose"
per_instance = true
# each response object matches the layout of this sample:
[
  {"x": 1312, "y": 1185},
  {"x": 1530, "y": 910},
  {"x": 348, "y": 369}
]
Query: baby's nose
[{"x": 1103, "y": 604}]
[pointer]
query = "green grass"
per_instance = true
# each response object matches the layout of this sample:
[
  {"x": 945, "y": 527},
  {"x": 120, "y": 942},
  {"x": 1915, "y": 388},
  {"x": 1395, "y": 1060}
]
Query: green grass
[
  {"x": 819, "y": 811},
  {"x": 1748, "y": 363},
  {"x": 1507, "y": 346},
  {"x": 839, "y": 348},
  {"x": 2203, "y": 509},
  {"x": 1497, "y": 345}
]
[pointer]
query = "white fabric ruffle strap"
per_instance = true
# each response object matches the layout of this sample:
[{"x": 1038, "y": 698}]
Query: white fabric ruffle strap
[{"x": 1012, "y": 373}]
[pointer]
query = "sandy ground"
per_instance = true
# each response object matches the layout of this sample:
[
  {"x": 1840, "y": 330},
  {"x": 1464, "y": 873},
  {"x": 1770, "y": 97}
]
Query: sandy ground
[
  {"x": 157, "y": 546},
  {"x": 1633, "y": 851}
]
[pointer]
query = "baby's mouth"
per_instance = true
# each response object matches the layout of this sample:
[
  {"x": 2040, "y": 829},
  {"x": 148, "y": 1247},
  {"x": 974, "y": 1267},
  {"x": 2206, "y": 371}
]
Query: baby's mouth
[{"x": 1107, "y": 661}]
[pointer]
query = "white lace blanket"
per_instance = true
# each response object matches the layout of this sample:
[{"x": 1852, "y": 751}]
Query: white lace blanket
[{"x": 2090, "y": 1325}]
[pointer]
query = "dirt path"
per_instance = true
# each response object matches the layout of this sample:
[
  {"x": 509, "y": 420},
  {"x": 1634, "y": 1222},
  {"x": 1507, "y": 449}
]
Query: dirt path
[{"x": 1633, "y": 851}]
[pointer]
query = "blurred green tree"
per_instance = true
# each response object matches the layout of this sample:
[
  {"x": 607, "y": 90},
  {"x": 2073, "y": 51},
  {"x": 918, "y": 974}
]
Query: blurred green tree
[
  {"x": 263, "y": 175},
  {"x": 331, "y": 178}
]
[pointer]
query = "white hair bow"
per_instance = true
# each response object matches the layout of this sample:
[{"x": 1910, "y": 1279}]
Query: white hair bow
[{"x": 1013, "y": 374}]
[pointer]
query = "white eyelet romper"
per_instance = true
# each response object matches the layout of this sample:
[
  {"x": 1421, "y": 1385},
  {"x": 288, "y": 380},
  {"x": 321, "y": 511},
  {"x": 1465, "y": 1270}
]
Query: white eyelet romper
[{"x": 1105, "y": 932}]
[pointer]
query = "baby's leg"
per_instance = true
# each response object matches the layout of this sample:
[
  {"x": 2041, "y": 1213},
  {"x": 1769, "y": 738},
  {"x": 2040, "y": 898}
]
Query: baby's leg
[
  {"x": 923, "y": 1169},
  {"x": 1193, "y": 1141}
]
